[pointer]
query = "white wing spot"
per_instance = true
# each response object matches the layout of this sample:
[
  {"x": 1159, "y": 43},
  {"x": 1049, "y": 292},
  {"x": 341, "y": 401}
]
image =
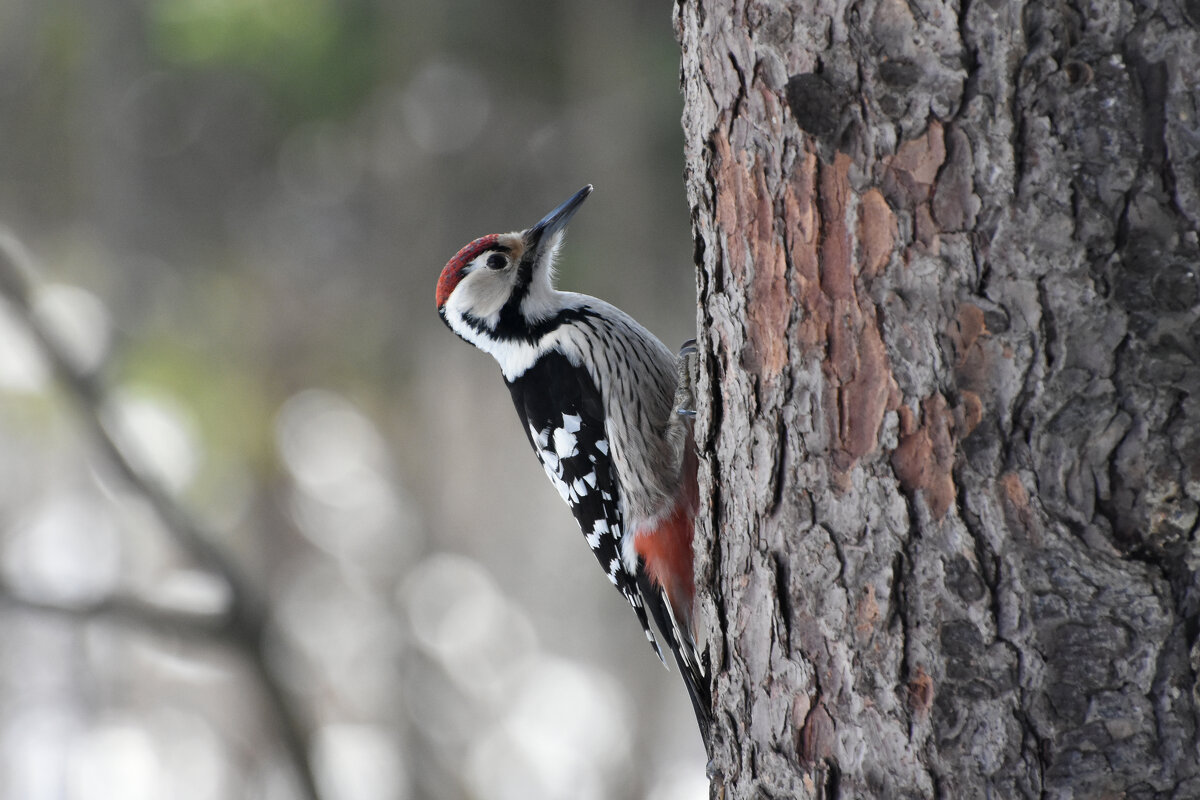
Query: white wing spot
[
  {"x": 541, "y": 437},
  {"x": 556, "y": 479},
  {"x": 602, "y": 446},
  {"x": 571, "y": 422},
  {"x": 564, "y": 443},
  {"x": 590, "y": 478}
]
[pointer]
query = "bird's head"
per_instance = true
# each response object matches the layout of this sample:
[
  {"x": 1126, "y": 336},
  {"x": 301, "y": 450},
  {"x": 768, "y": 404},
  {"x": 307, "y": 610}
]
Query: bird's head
[{"x": 505, "y": 276}]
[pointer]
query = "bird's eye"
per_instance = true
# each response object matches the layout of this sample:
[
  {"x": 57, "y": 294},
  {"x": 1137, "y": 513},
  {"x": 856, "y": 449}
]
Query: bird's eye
[{"x": 496, "y": 261}]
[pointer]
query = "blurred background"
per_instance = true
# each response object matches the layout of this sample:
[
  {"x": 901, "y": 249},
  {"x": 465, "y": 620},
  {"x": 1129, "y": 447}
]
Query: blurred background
[{"x": 235, "y": 212}]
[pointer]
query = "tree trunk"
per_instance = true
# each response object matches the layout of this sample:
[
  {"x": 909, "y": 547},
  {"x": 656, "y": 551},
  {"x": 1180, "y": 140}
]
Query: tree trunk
[{"x": 950, "y": 394}]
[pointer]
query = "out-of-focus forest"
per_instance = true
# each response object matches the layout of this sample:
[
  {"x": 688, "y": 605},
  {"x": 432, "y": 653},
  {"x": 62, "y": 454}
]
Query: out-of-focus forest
[{"x": 234, "y": 213}]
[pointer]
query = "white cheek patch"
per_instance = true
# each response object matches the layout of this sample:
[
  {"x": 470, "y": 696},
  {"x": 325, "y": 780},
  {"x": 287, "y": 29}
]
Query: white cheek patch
[{"x": 482, "y": 293}]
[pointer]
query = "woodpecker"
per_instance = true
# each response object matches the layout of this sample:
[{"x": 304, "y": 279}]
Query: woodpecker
[{"x": 607, "y": 409}]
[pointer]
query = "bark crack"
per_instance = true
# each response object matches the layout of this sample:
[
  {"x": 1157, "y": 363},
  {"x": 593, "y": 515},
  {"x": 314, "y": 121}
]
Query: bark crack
[
  {"x": 970, "y": 87},
  {"x": 777, "y": 475},
  {"x": 736, "y": 106},
  {"x": 901, "y": 570},
  {"x": 991, "y": 566},
  {"x": 783, "y": 597}
]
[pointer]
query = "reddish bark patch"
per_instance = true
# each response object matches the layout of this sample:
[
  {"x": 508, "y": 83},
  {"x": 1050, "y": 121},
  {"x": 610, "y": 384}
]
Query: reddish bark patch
[
  {"x": 920, "y": 692},
  {"x": 802, "y": 236},
  {"x": 866, "y": 614},
  {"x": 915, "y": 165},
  {"x": 856, "y": 364},
  {"x": 800, "y": 249},
  {"x": 876, "y": 233},
  {"x": 816, "y": 738},
  {"x": 1013, "y": 492},
  {"x": 926, "y": 230},
  {"x": 973, "y": 355},
  {"x": 837, "y": 273},
  {"x": 769, "y": 305},
  {"x": 909, "y": 178},
  {"x": 969, "y": 325},
  {"x": 973, "y": 365},
  {"x": 924, "y": 458},
  {"x": 727, "y": 172},
  {"x": 1018, "y": 512},
  {"x": 955, "y": 204},
  {"x": 969, "y": 414},
  {"x": 756, "y": 257},
  {"x": 863, "y": 398}
]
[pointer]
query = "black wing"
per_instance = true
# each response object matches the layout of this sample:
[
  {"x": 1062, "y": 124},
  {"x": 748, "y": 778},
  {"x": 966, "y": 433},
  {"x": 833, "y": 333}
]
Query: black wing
[{"x": 563, "y": 416}]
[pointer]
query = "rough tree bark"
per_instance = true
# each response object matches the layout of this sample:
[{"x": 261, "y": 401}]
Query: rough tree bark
[{"x": 950, "y": 394}]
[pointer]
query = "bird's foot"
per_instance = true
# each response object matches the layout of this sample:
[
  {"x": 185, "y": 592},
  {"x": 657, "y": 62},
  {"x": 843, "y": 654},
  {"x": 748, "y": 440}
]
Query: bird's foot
[{"x": 685, "y": 396}]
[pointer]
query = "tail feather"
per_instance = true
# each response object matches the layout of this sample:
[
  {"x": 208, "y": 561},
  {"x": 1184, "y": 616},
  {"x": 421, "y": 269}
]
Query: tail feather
[{"x": 679, "y": 640}]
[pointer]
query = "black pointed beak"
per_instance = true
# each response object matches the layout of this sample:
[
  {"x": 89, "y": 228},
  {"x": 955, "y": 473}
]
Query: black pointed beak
[{"x": 557, "y": 219}]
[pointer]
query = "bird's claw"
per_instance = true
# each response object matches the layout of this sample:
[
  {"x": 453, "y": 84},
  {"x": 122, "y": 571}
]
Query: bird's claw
[{"x": 685, "y": 398}]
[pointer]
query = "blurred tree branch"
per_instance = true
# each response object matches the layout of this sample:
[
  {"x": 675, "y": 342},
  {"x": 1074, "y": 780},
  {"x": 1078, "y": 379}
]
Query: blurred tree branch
[
  {"x": 244, "y": 623},
  {"x": 124, "y": 610}
]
